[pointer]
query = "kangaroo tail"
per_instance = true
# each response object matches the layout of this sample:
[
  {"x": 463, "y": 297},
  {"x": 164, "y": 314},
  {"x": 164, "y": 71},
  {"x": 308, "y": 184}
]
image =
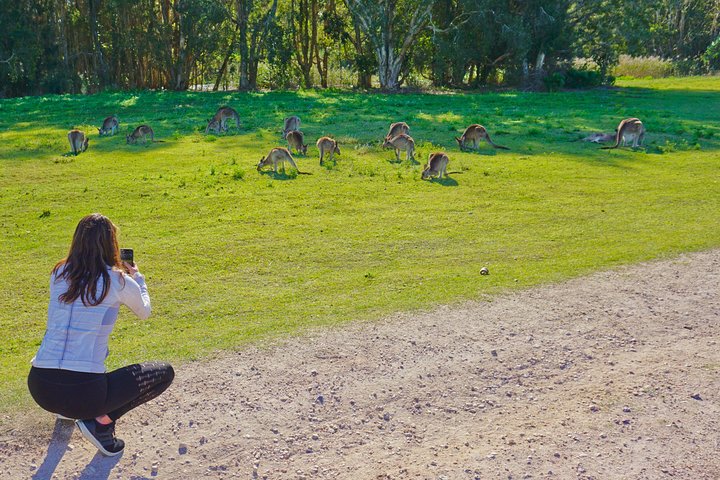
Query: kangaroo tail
[
  {"x": 303, "y": 173},
  {"x": 610, "y": 147},
  {"x": 158, "y": 141},
  {"x": 618, "y": 136},
  {"x": 453, "y": 173},
  {"x": 495, "y": 144}
]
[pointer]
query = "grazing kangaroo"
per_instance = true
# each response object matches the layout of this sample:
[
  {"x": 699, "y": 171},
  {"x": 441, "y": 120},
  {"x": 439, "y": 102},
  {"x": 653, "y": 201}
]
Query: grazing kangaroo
[
  {"x": 396, "y": 129},
  {"x": 599, "y": 137},
  {"x": 401, "y": 142},
  {"x": 279, "y": 155},
  {"x": 629, "y": 129},
  {"x": 219, "y": 122},
  {"x": 290, "y": 124},
  {"x": 78, "y": 141},
  {"x": 140, "y": 132},
  {"x": 110, "y": 125},
  {"x": 474, "y": 133},
  {"x": 295, "y": 140},
  {"x": 327, "y": 146},
  {"x": 436, "y": 166}
]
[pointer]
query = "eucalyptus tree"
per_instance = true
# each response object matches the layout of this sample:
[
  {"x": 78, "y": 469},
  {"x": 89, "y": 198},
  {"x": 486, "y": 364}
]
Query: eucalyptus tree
[
  {"x": 391, "y": 26},
  {"x": 254, "y": 19}
]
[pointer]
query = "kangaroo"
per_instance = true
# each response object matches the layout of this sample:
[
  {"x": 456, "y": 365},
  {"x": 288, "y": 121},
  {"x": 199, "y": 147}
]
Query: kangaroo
[
  {"x": 474, "y": 133},
  {"x": 437, "y": 165},
  {"x": 140, "y": 132},
  {"x": 629, "y": 129},
  {"x": 327, "y": 146},
  {"x": 219, "y": 122},
  {"x": 396, "y": 129},
  {"x": 401, "y": 142},
  {"x": 295, "y": 140},
  {"x": 599, "y": 137},
  {"x": 291, "y": 123},
  {"x": 279, "y": 155},
  {"x": 110, "y": 125},
  {"x": 78, "y": 141}
]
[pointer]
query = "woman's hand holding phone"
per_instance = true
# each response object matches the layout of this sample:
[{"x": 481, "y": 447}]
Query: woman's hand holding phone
[{"x": 130, "y": 268}]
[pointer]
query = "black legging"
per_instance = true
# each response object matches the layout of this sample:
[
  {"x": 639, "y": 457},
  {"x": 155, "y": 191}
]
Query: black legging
[{"x": 88, "y": 395}]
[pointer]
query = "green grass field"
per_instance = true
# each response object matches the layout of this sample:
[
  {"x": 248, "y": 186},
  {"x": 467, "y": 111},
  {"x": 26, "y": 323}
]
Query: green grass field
[{"x": 232, "y": 255}]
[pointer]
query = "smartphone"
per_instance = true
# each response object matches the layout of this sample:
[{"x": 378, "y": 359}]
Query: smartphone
[{"x": 127, "y": 255}]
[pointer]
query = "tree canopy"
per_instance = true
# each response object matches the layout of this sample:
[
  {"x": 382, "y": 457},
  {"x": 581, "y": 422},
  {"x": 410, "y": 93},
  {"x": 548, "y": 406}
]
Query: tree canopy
[{"x": 59, "y": 46}]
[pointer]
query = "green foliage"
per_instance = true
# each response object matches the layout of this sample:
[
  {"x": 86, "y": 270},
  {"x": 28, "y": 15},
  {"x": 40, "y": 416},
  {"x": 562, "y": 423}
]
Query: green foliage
[
  {"x": 229, "y": 261},
  {"x": 583, "y": 78},
  {"x": 554, "y": 82},
  {"x": 711, "y": 57},
  {"x": 54, "y": 46}
]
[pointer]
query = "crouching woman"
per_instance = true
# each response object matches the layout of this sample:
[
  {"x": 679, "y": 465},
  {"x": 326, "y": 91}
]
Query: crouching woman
[{"x": 68, "y": 375}]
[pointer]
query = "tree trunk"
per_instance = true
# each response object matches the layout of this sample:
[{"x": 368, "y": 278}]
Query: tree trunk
[
  {"x": 101, "y": 66},
  {"x": 223, "y": 68},
  {"x": 252, "y": 39},
  {"x": 242, "y": 19}
]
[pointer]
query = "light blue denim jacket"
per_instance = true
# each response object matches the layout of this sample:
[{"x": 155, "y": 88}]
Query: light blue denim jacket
[{"x": 76, "y": 337}]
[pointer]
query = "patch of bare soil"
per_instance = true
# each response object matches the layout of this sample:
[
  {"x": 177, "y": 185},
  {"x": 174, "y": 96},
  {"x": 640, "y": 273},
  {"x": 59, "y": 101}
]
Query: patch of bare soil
[{"x": 611, "y": 376}]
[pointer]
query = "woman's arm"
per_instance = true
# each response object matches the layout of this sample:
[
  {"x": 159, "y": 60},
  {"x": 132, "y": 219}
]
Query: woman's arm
[{"x": 135, "y": 295}]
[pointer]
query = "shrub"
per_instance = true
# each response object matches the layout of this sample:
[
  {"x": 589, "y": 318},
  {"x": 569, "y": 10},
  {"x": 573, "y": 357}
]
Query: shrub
[
  {"x": 554, "y": 82},
  {"x": 688, "y": 66},
  {"x": 584, "y": 78},
  {"x": 643, "y": 67}
]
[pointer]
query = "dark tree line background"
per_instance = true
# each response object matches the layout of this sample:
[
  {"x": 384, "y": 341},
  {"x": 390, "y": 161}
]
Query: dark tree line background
[{"x": 59, "y": 46}]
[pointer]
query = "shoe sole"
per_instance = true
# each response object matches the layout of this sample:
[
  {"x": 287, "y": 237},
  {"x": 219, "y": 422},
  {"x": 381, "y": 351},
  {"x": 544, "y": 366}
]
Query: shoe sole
[
  {"x": 63, "y": 417},
  {"x": 91, "y": 438}
]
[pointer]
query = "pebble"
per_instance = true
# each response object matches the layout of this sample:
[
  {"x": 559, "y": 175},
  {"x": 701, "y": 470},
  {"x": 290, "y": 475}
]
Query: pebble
[{"x": 182, "y": 449}]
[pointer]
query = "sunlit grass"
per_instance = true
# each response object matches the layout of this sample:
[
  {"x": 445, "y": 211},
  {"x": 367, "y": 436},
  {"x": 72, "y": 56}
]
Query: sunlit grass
[{"x": 233, "y": 255}]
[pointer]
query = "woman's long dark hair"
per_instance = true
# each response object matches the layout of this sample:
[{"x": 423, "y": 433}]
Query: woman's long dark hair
[{"x": 94, "y": 248}]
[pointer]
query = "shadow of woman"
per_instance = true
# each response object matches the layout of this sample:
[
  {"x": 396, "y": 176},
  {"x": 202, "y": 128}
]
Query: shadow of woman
[
  {"x": 99, "y": 467},
  {"x": 57, "y": 448}
]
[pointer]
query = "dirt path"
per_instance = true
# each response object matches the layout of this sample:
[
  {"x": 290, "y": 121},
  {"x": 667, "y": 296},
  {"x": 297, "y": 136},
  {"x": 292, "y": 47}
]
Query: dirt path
[{"x": 610, "y": 376}]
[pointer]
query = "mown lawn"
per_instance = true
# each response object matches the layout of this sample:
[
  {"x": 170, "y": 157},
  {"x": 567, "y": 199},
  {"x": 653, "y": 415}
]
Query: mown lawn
[{"x": 232, "y": 255}]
